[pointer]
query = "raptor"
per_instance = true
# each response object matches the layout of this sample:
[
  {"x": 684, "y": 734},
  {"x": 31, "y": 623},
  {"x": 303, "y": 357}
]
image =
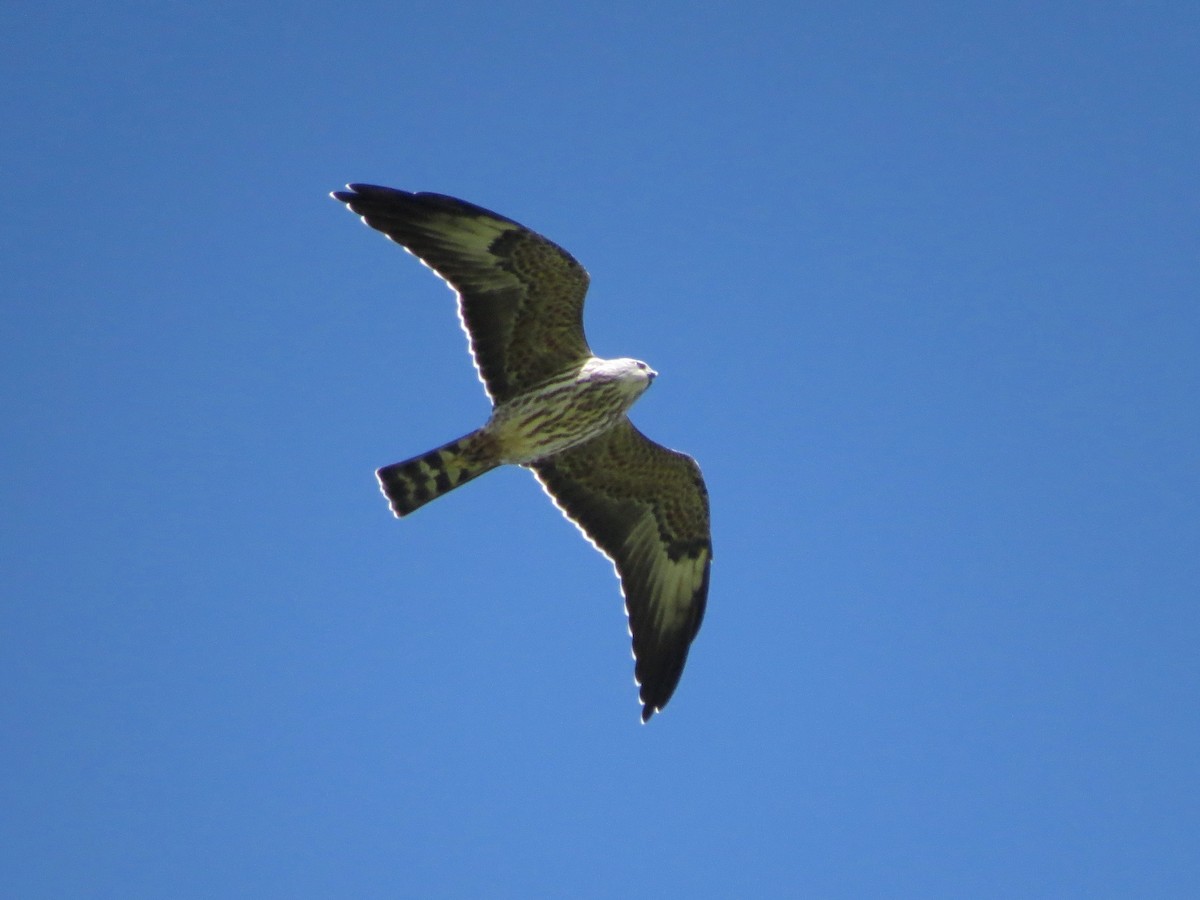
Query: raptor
[{"x": 560, "y": 411}]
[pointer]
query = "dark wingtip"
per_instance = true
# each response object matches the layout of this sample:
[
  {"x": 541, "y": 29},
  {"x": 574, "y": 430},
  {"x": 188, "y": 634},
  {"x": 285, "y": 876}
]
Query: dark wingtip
[
  {"x": 359, "y": 191},
  {"x": 657, "y": 678},
  {"x": 377, "y": 200}
]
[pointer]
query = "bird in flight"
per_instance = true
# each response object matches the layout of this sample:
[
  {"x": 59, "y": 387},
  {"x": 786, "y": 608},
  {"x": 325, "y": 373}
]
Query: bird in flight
[{"x": 561, "y": 412}]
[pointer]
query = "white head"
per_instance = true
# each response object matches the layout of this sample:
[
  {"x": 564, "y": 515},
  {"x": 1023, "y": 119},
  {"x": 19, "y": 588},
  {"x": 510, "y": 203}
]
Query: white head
[{"x": 628, "y": 372}]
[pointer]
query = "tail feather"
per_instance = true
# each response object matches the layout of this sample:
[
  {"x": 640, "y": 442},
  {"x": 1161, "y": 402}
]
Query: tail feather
[{"x": 411, "y": 484}]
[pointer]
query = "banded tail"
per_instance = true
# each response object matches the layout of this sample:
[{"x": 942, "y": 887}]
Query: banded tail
[{"x": 411, "y": 484}]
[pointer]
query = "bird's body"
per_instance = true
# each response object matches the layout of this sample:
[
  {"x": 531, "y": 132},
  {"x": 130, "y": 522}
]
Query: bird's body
[
  {"x": 560, "y": 411},
  {"x": 566, "y": 411}
]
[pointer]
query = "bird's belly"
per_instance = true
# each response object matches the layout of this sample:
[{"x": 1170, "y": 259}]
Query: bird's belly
[{"x": 557, "y": 417}]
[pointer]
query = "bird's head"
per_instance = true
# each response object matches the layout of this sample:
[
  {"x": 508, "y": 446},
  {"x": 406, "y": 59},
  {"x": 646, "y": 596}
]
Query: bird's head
[{"x": 631, "y": 373}]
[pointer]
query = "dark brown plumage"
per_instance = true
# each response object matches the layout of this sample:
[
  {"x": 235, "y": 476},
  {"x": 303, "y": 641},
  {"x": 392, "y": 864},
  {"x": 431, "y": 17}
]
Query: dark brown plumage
[{"x": 561, "y": 412}]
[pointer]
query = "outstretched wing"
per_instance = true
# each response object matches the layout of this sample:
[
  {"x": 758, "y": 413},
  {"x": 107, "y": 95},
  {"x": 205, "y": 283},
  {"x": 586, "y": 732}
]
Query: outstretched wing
[
  {"x": 646, "y": 508},
  {"x": 520, "y": 297}
]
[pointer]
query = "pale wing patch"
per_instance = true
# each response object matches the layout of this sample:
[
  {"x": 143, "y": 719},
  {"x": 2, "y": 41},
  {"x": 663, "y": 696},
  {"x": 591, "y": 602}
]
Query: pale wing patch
[
  {"x": 474, "y": 235},
  {"x": 671, "y": 584},
  {"x": 462, "y": 317}
]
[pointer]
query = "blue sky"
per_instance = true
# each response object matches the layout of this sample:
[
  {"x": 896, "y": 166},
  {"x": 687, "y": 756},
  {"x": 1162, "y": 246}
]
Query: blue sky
[{"x": 921, "y": 285}]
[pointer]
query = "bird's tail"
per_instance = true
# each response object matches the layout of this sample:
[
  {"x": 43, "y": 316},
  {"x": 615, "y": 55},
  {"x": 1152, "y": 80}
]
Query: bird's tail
[{"x": 411, "y": 484}]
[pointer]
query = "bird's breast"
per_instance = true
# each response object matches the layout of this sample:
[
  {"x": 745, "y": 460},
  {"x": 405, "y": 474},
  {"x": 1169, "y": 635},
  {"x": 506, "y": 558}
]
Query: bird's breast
[{"x": 556, "y": 416}]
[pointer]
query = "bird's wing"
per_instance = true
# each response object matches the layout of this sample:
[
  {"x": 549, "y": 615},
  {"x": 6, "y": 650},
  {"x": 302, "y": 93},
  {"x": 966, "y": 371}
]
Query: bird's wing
[
  {"x": 646, "y": 508},
  {"x": 520, "y": 297}
]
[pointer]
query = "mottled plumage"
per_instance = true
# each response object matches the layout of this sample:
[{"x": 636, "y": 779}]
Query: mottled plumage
[{"x": 561, "y": 412}]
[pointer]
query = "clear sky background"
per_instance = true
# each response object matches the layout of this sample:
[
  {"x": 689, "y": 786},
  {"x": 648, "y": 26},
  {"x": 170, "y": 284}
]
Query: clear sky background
[{"x": 922, "y": 285}]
